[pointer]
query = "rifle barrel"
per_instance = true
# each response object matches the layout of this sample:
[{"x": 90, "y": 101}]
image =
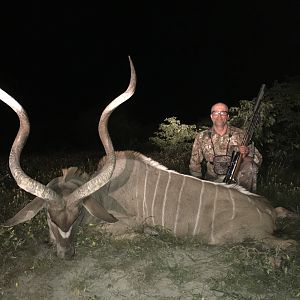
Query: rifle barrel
[
  {"x": 250, "y": 129},
  {"x": 236, "y": 158}
]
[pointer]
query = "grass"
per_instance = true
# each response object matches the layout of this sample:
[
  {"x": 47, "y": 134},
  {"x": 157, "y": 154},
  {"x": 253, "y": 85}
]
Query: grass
[
  {"x": 281, "y": 185},
  {"x": 261, "y": 272},
  {"x": 249, "y": 269}
]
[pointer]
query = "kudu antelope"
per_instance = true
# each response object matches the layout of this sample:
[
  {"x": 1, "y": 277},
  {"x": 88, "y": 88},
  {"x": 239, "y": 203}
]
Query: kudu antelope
[{"x": 69, "y": 197}]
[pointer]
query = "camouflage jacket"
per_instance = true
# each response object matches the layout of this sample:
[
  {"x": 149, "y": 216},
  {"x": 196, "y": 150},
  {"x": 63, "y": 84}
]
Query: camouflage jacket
[{"x": 208, "y": 144}]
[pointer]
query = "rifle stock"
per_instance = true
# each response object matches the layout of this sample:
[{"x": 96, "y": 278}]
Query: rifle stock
[
  {"x": 236, "y": 158},
  {"x": 233, "y": 168}
]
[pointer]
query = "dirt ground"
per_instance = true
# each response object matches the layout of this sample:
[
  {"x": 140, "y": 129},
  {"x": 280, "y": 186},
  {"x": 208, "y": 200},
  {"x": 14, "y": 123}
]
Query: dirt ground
[
  {"x": 128, "y": 266},
  {"x": 92, "y": 275}
]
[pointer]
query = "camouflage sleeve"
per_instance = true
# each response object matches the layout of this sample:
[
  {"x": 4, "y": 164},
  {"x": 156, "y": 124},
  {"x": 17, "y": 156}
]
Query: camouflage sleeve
[
  {"x": 255, "y": 154},
  {"x": 196, "y": 157},
  {"x": 237, "y": 139}
]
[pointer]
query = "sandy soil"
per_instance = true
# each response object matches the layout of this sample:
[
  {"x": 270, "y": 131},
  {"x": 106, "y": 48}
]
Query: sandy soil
[
  {"x": 173, "y": 273},
  {"x": 120, "y": 268}
]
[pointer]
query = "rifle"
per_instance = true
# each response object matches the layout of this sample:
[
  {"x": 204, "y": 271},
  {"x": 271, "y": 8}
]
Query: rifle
[{"x": 236, "y": 157}]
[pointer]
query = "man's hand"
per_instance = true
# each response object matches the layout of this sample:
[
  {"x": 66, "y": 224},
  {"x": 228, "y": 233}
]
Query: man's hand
[{"x": 244, "y": 151}]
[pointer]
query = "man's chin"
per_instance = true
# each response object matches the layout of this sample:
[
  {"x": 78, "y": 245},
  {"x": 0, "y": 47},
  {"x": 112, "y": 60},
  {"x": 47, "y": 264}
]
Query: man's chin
[{"x": 220, "y": 124}]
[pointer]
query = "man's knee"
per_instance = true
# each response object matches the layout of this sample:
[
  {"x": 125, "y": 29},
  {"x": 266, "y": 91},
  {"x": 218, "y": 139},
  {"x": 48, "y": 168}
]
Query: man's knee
[{"x": 247, "y": 176}]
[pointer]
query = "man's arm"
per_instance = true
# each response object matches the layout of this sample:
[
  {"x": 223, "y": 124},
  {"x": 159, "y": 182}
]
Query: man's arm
[{"x": 196, "y": 157}]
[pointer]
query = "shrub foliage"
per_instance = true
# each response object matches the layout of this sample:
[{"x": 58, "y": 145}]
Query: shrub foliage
[
  {"x": 278, "y": 132},
  {"x": 174, "y": 141}
]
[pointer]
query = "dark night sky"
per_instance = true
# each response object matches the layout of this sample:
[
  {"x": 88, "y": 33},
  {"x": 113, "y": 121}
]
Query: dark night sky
[{"x": 65, "y": 63}]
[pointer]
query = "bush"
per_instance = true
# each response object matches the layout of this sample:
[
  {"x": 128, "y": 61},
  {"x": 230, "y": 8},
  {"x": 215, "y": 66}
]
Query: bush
[
  {"x": 173, "y": 136},
  {"x": 174, "y": 141},
  {"x": 278, "y": 130}
]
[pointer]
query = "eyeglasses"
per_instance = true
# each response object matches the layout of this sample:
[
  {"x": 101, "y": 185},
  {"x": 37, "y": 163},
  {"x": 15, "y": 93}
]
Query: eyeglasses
[{"x": 220, "y": 113}]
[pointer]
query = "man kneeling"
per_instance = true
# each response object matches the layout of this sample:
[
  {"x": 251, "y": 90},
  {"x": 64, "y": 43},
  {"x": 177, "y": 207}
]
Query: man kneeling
[{"x": 212, "y": 150}]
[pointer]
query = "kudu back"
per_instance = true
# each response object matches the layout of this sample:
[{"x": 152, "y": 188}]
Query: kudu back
[{"x": 66, "y": 198}]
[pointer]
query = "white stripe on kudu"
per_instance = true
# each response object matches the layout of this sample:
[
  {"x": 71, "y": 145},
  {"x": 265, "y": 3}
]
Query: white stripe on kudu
[
  {"x": 165, "y": 200},
  {"x": 178, "y": 205},
  {"x": 199, "y": 208},
  {"x": 137, "y": 188},
  {"x": 154, "y": 197},
  {"x": 212, "y": 238},
  {"x": 233, "y": 204},
  {"x": 145, "y": 209}
]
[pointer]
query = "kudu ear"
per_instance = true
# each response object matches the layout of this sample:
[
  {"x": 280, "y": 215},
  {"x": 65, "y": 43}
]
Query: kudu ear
[
  {"x": 98, "y": 211},
  {"x": 26, "y": 213}
]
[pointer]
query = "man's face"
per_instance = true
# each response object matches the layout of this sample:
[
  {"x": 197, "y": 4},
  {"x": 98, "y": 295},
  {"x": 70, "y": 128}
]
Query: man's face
[{"x": 219, "y": 114}]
